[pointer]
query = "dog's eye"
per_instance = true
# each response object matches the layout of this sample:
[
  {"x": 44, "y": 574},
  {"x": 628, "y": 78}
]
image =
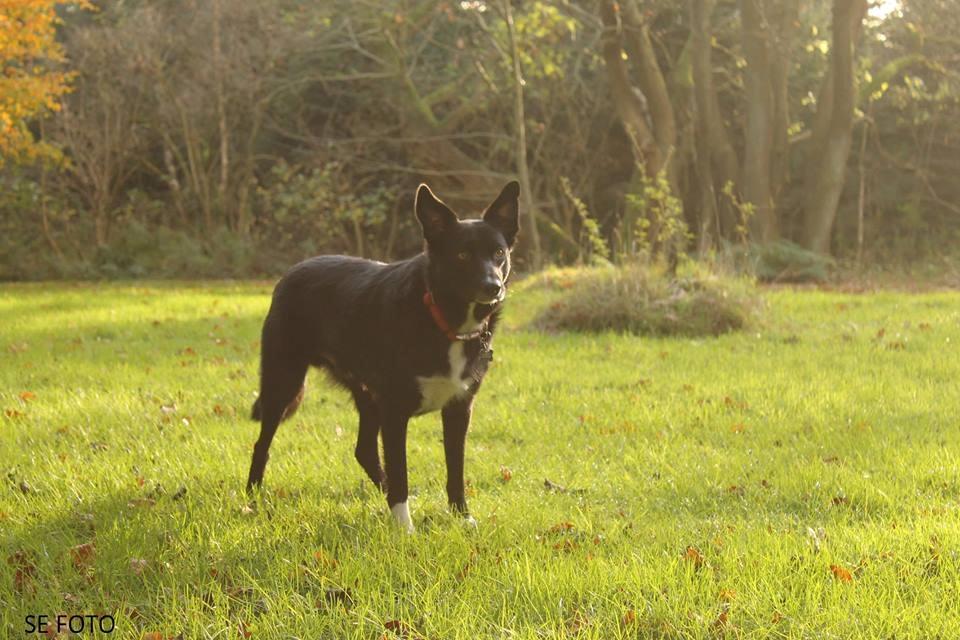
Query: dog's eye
[
  {"x": 499, "y": 253},
  {"x": 463, "y": 255}
]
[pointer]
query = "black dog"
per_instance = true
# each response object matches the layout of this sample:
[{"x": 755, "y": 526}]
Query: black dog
[{"x": 405, "y": 338}]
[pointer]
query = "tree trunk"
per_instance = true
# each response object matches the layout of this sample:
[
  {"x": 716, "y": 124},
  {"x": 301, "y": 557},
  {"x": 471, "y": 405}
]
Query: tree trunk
[
  {"x": 759, "y": 127},
  {"x": 786, "y": 15},
  {"x": 628, "y": 101},
  {"x": 223, "y": 130},
  {"x": 709, "y": 221},
  {"x": 830, "y": 160},
  {"x": 528, "y": 222},
  {"x": 652, "y": 83}
]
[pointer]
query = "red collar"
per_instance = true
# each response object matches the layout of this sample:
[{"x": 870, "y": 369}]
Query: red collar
[{"x": 441, "y": 321}]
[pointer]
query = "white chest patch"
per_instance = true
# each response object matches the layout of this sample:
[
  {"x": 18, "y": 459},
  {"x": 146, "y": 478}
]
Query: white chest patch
[{"x": 437, "y": 391}]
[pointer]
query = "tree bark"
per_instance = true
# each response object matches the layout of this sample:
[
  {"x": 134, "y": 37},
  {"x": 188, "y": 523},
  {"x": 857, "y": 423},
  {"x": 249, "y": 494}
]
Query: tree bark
[
  {"x": 629, "y": 102},
  {"x": 785, "y": 17},
  {"x": 709, "y": 221},
  {"x": 759, "y": 127},
  {"x": 528, "y": 218},
  {"x": 222, "y": 128},
  {"x": 829, "y": 162},
  {"x": 652, "y": 83}
]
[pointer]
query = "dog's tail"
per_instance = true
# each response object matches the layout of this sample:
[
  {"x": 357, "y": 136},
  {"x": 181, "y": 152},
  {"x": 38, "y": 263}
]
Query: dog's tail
[{"x": 256, "y": 413}]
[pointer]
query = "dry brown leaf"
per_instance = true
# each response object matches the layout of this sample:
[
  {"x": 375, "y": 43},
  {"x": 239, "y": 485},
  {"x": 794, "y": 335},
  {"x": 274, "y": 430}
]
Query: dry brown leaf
[
  {"x": 137, "y": 565},
  {"x": 24, "y": 570},
  {"x": 693, "y": 556},
  {"x": 324, "y": 560},
  {"x": 83, "y": 554},
  {"x": 565, "y": 545},
  {"x": 840, "y": 573},
  {"x": 560, "y": 527}
]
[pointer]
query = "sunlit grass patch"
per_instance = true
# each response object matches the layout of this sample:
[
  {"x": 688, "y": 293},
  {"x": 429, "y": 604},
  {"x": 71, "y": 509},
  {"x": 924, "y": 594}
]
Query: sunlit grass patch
[
  {"x": 797, "y": 480},
  {"x": 648, "y": 301}
]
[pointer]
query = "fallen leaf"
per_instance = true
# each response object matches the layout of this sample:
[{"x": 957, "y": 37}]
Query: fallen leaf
[
  {"x": 13, "y": 414},
  {"x": 140, "y": 481},
  {"x": 27, "y": 396},
  {"x": 324, "y": 560},
  {"x": 566, "y": 545},
  {"x": 402, "y": 629},
  {"x": 693, "y": 556},
  {"x": 141, "y": 502},
  {"x": 335, "y": 596},
  {"x": 720, "y": 623},
  {"x": 629, "y": 618},
  {"x": 24, "y": 570},
  {"x": 577, "y": 622},
  {"x": 840, "y": 573},
  {"x": 243, "y": 631},
  {"x": 83, "y": 554},
  {"x": 738, "y": 428},
  {"x": 137, "y": 565},
  {"x": 561, "y": 527},
  {"x": 505, "y": 474}
]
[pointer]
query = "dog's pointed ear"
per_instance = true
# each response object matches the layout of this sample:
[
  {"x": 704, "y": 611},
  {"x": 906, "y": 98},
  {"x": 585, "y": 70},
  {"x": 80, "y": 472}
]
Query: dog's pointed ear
[
  {"x": 504, "y": 213},
  {"x": 435, "y": 217}
]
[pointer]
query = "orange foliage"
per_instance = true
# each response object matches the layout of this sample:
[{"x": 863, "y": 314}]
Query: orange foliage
[{"x": 29, "y": 83}]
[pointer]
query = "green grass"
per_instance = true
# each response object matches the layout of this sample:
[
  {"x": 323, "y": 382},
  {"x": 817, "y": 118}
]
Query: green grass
[{"x": 828, "y": 436}]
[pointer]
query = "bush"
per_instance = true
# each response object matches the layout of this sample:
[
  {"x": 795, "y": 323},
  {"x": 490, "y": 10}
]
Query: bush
[
  {"x": 646, "y": 301},
  {"x": 784, "y": 261}
]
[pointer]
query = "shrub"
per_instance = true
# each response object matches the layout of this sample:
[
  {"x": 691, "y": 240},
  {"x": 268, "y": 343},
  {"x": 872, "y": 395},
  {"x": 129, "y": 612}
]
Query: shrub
[
  {"x": 784, "y": 261},
  {"x": 644, "y": 300}
]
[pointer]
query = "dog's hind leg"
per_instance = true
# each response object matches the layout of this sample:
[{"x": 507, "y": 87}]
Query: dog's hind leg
[
  {"x": 281, "y": 389},
  {"x": 367, "y": 452}
]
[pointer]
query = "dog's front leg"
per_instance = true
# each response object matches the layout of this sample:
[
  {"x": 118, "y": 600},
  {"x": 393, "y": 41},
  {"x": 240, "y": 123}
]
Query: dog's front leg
[
  {"x": 456, "y": 421},
  {"x": 394, "y": 431}
]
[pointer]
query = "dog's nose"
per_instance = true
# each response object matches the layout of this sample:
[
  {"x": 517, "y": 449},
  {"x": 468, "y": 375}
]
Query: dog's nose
[{"x": 491, "y": 288}]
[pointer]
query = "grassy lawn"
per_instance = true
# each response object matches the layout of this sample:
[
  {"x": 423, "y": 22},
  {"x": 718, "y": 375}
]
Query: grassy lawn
[{"x": 800, "y": 480}]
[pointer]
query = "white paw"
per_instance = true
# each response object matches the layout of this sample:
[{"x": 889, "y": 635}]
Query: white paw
[
  {"x": 470, "y": 522},
  {"x": 401, "y": 515}
]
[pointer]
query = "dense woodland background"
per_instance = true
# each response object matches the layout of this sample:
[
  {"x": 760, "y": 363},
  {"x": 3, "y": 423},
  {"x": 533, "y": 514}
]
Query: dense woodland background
[{"x": 235, "y": 137}]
